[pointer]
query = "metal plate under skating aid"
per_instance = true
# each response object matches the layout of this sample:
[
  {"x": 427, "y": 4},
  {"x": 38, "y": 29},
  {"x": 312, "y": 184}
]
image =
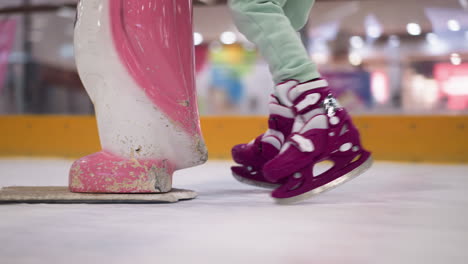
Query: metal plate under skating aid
[
  {"x": 61, "y": 195},
  {"x": 333, "y": 184}
]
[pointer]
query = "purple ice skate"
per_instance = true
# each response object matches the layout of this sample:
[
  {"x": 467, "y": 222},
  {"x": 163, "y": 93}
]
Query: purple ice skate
[
  {"x": 323, "y": 131},
  {"x": 254, "y": 155}
]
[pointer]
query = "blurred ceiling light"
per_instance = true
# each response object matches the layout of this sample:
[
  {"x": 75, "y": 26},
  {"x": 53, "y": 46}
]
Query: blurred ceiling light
[
  {"x": 455, "y": 59},
  {"x": 326, "y": 31},
  {"x": 228, "y": 37},
  {"x": 320, "y": 57},
  {"x": 432, "y": 39},
  {"x": 413, "y": 29},
  {"x": 394, "y": 41},
  {"x": 436, "y": 45},
  {"x": 374, "y": 31},
  {"x": 453, "y": 25},
  {"x": 373, "y": 27},
  {"x": 197, "y": 38},
  {"x": 355, "y": 59},
  {"x": 356, "y": 42},
  {"x": 320, "y": 45}
]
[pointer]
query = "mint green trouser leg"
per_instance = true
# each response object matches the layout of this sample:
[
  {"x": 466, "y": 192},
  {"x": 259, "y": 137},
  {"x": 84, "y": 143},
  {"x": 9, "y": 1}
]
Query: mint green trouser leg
[{"x": 272, "y": 25}]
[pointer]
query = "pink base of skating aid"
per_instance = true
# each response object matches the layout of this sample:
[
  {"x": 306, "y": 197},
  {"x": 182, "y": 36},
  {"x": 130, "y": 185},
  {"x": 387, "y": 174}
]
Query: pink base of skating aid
[{"x": 103, "y": 172}]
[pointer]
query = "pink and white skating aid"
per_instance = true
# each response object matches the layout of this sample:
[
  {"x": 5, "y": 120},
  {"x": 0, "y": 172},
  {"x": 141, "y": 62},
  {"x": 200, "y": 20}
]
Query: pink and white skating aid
[
  {"x": 135, "y": 59},
  {"x": 322, "y": 131}
]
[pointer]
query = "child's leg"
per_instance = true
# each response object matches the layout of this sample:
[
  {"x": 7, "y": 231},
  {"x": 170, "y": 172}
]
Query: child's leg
[
  {"x": 298, "y": 12},
  {"x": 266, "y": 24},
  {"x": 306, "y": 124}
]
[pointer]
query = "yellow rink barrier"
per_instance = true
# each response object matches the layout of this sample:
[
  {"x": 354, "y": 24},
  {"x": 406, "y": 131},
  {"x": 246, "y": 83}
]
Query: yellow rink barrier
[{"x": 442, "y": 139}]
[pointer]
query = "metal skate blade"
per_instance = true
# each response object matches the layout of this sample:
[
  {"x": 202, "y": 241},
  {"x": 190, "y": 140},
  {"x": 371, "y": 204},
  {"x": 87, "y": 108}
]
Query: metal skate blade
[
  {"x": 335, "y": 183},
  {"x": 62, "y": 195},
  {"x": 265, "y": 185}
]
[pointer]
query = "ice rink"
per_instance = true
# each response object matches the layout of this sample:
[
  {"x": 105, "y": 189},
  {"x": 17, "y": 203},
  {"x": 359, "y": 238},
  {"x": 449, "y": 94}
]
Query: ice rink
[{"x": 395, "y": 213}]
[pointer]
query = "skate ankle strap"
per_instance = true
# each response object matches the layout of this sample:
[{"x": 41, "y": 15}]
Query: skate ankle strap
[
  {"x": 308, "y": 97},
  {"x": 309, "y": 100},
  {"x": 302, "y": 88},
  {"x": 310, "y": 103}
]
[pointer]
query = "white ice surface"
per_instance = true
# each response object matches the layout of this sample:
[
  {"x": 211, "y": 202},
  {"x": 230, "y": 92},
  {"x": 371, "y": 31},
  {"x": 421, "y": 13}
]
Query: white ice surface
[{"x": 395, "y": 213}]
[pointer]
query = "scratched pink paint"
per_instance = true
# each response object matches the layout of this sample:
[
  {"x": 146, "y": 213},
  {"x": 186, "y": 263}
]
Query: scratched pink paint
[{"x": 103, "y": 172}]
